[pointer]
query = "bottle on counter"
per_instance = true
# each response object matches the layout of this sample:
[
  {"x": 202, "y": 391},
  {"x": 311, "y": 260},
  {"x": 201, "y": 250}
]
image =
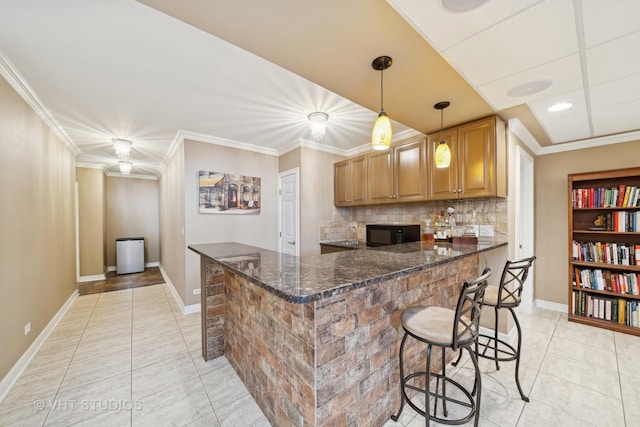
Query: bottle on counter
[
  {"x": 441, "y": 228},
  {"x": 426, "y": 236}
]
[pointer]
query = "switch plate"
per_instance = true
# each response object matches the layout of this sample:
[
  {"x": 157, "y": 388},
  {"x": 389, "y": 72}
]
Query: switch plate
[
  {"x": 486, "y": 231},
  {"x": 27, "y": 328},
  {"x": 196, "y": 291}
]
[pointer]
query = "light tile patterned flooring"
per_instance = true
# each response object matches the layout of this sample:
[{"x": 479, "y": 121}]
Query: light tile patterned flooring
[{"x": 130, "y": 358}]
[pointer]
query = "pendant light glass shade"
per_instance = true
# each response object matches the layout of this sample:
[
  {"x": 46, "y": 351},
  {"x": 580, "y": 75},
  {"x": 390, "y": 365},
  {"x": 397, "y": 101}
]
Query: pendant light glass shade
[
  {"x": 381, "y": 133},
  {"x": 443, "y": 155},
  {"x": 122, "y": 147},
  {"x": 318, "y": 124},
  {"x": 443, "y": 152},
  {"x": 125, "y": 167}
]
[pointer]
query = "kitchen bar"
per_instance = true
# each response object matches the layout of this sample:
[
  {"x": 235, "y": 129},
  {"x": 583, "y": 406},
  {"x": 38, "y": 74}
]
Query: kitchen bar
[{"x": 315, "y": 339}]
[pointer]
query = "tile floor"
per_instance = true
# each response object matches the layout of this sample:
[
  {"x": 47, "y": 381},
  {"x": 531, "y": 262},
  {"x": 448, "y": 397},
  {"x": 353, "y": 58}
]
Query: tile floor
[{"x": 130, "y": 358}]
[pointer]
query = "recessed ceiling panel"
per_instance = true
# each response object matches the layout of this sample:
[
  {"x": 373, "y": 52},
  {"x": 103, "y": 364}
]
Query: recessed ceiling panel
[
  {"x": 541, "y": 34},
  {"x": 607, "y": 20},
  {"x": 611, "y": 119},
  {"x": 613, "y": 60},
  {"x": 564, "y": 75},
  {"x": 435, "y": 23},
  {"x": 615, "y": 92}
]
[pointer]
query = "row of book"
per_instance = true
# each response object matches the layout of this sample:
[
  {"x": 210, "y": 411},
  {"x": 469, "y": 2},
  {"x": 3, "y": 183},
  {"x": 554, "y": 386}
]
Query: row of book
[
  {"x": 622, "y": 221},
  {"x": 605, "y": 280},
  {"x": 617, "y": 310},
  {"x": 607, "y": 253},
  {"x": 620, "y": 196}
]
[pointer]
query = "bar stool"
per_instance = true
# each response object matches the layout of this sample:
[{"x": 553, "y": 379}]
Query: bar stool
[
  {"x": 506, "y": 295},
  {"x": 444, "y": 328}
]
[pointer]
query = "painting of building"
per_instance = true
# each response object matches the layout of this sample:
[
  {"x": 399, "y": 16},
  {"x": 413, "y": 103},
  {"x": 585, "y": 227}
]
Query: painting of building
[{"x": 228, "y": 193}]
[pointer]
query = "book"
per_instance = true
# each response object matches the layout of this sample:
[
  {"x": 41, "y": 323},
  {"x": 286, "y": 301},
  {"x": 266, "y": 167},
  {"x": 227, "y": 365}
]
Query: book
[
  {"x": 625, "y": 200},
  {"x": 621, "y": 190}
]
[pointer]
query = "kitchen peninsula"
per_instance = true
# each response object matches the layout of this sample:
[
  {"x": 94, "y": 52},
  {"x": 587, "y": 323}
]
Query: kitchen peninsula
[{"x": 315, "y": 339}]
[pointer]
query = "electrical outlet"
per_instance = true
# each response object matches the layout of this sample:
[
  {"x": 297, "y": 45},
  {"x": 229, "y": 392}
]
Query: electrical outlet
[
  {"x": 27, "y": 328},
  {"x": 196, "y": 291}
]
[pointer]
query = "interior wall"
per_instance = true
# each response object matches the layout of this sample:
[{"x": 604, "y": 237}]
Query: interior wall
[
  {"x": 132, "y": 211},
  {"x": 91, "y": 213},
  {"x": 251, "y": 229},
  {"x": 551, "y": 208},
  {"x": 316, "y": 196},
  {"x": 37, "y": 247},
  {"x": 171, "y": 221}
]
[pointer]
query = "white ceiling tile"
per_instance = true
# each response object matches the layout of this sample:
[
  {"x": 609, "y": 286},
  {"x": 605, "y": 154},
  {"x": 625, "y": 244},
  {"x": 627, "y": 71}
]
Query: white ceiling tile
[
  {"x": 616, "y": 117},
  {"x": 434, "y": 23},
  {"x": 540, "y": 106},
  {"x": 615, "y": 92},
  {"x": 571, "y": 133},
  {"x": 538, "y": 35},
  {"x": 607, "y": 20},
  {"x": 564, "y": 74},
  {"x": 613, "y": 60}
]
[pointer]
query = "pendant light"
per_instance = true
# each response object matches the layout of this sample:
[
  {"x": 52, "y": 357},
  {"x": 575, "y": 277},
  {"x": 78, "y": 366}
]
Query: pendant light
[
  {"x": 381, "y": 134},
  {"x": 443, "y": 153}
]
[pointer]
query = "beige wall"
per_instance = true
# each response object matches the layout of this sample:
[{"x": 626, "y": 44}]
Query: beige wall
[
  {"x": 37, "y": 223},
  {"x": 551, "y": 206},
  {"x": 171, "y": 220},
  {"x": 256, "y": 230},
  {"x": 91, "y": 221},
  {"x": 132, "y": 211}
]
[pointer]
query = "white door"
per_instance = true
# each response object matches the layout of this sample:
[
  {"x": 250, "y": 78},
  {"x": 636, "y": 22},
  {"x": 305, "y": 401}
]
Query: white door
[
  {"x": 289, "y": 212},
  {"x": 524, "y": 217}
]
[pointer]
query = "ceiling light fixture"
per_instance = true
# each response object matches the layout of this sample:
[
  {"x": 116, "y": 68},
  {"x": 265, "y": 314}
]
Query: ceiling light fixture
[
  {"x": 443, "y": 153},
  {"x": 122, "y": 147},
  {"x": 318, "y": 124},
  {"x": 381, "y": 134},
  {"x": 560, "y": 106},
  {"x": 125, "y": 167}
]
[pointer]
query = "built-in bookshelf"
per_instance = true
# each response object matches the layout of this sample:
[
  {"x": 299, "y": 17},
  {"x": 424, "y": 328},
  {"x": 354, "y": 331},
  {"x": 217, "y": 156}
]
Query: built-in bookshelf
[{"x": 604, "y": 249}]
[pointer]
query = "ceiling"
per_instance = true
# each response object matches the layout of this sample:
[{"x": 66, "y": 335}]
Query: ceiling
[{"x": 247, "y": 73}]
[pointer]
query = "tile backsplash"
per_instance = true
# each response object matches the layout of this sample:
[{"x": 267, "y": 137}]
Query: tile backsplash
[{"x": 490, "y": 212}]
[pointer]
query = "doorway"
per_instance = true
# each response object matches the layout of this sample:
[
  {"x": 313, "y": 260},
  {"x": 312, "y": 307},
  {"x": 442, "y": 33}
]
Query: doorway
[{"x": 289, "y": 212}]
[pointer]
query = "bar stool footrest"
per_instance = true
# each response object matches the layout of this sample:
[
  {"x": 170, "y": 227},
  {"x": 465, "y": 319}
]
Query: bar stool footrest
[
  {"x": 486, "y": 349},
  {"x": 468, "y": 403}
]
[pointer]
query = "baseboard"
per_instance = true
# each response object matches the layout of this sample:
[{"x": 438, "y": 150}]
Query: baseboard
[
  {"x": 553, "y": 306},
  {"x": 185, "y": 309},
  {"x": 92, "y": 278},
  {"x": 14, "y": 373}
]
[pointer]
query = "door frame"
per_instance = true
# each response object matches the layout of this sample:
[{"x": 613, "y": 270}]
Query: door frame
[
  {"x": 296, "y": 172},
  {"x": 525, "y": 220}
]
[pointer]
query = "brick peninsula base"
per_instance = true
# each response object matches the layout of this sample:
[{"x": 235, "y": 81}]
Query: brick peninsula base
[{"x": 328, "y": 362}]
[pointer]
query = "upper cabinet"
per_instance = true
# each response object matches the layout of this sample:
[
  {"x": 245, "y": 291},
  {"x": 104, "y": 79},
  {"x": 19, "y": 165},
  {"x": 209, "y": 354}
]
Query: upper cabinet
[
  {"x": 407, "y": 173},
  {"x": 398, "y": 174},
  {"x": 350, "y": 182},
  {"x": 478, "y": 162}
]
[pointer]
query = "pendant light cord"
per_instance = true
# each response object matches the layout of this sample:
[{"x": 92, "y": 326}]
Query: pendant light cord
[
  {"x": 441, "y": 124},
  {"x": 381, "y": 90}
]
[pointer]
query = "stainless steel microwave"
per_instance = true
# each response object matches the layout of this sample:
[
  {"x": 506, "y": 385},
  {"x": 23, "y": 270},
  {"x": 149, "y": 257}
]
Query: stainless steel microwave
[{"x": 391, "y": 234}]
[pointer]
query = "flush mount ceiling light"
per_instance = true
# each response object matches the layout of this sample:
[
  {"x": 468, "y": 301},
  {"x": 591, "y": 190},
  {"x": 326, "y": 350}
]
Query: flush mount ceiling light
[
  {"x": 443, "y": 153},
  {"x": 125, "y": 167},
  {"x": 318, "y": 124},
  {"x": 381, "y": 134},
  {"x": 529, "y": 88},
  {"x": 122, "y": 147},
  {"x": 560, "y": 106},
  {"x": 461, "y": 6}
]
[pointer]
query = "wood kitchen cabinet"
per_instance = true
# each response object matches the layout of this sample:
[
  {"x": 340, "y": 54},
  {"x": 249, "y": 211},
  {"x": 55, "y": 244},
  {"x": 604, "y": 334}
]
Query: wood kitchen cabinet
[
  {"x": 350, "y": 182},
  {"x": 478, "y": 161},
  {"x": 398, "y": 174}
]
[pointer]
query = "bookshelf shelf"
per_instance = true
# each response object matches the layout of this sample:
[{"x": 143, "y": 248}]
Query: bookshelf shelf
[{"x": 604, "y": 264}]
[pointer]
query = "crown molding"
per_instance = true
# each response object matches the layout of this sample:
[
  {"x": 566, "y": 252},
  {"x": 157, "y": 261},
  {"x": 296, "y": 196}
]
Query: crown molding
[
  {"x": 20, "y": 85},
  {"x": 592, "y": 142}
]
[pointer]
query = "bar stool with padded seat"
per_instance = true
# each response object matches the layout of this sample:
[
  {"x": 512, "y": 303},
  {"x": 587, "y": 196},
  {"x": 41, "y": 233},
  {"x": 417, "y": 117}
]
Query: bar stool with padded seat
[
  {"x": 506, "y": 295},
  {"x": 445, "y": 328}
]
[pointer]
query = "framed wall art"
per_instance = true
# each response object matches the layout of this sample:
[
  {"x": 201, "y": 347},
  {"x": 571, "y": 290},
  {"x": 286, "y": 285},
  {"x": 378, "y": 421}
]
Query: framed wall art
[{"x": 228, "y": 193}]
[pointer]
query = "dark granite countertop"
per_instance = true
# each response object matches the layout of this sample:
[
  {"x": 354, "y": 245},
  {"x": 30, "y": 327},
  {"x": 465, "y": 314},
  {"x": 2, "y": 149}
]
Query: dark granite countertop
[
  {"x": 314, "y": 277},
  {"x": 347, "y": 244}
]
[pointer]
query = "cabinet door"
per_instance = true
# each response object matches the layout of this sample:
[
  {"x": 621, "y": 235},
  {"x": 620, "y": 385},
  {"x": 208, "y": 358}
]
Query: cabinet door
[
  {"x": 380, "y": 177},
  {"x": 341, "y": 183},
  {"x": 476, "y": 159},
  {"x": 359, "y": 181},
  {"x": 442, "y": 184},
  {"x": 410, "y": 161}
]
